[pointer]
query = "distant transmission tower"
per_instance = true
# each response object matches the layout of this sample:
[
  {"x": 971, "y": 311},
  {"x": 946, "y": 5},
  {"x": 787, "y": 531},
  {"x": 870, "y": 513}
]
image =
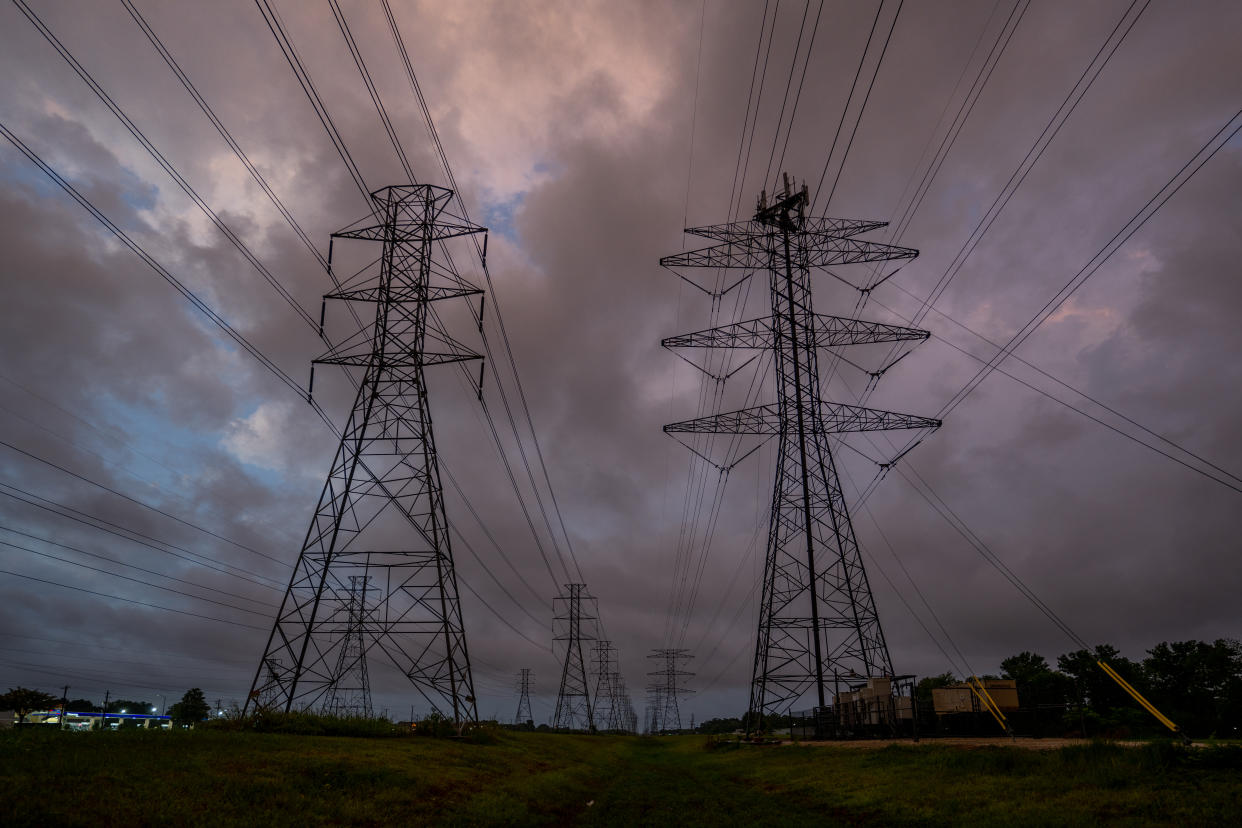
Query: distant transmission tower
[
  {"x": 573, "y": 701},
  {"x": 605, "y": 709},
  {"x": 669, "y": 685},
  {"x": 351, "y": 694},
  {"x": 381, "y": 512},
  {"x": 523, "y": 716},
  {"x": 817, "y": 617}
]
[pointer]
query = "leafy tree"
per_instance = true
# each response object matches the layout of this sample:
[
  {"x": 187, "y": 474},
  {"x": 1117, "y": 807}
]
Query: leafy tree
[
  {"x": 25, "y": 701},
  {"x": 192, "y": 708},
  {"x": 129, "y": 706},
  {"x": 1197, "y": 684},
  {"x": 83, "y": 706},
  {"x": 1093, "y": 686},
  {"x": 1037, "y": 682},
  {"x": 720, "y": 726}
]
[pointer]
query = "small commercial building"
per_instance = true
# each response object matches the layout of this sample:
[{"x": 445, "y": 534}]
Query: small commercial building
[{"x": 70, "y": 720}]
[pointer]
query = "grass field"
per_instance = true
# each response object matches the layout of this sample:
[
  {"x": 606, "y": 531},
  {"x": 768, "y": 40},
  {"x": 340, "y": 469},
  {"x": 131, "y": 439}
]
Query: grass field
[{"x": 240, "y": 778}]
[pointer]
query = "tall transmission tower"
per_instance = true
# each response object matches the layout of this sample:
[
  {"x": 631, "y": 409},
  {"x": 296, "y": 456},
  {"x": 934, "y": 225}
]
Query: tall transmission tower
[
  {"x": 523, "y": 716},
  {"x": 573, "y": 700},
  {"x": 351, "y": 694},
  {"x": 817, "y": 618},
  {"x": 669, "y": 686},
  {"x": 606, "y": 709},
  {"x": 381, "y": 513}
]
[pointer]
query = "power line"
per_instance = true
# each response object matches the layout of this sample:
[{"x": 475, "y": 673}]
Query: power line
[
  {"x": 274, "y": 24},
  {"x": 125, "y": 533},
  {"x": 130, "y": 600},
  {"x": 159, "y": 158},
  {"x": 1049, "y": 133},
  {"x": 141, "y": 503},
  {"x": 80, "y": 565},
  {"x": 42, "y": 539},
  {"x": 861, "y": 111},
  {"x": 1205, "y": 154}
]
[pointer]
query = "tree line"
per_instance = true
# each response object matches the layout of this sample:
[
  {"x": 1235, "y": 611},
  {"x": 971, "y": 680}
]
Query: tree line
[{"x": 1197, "y": 684}]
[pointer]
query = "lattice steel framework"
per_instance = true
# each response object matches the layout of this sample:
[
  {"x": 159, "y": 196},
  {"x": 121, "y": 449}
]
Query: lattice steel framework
[
  {"x": 524, "y": 716},
  {"x": 817, "y": 616},
  {"x": 669, "y": 687},
  {"x": 574, "y": 710},
  {"x": 607, "y": 707},
  {"x": 381, "y": 512},
  {"x": 351, "y": 695}
]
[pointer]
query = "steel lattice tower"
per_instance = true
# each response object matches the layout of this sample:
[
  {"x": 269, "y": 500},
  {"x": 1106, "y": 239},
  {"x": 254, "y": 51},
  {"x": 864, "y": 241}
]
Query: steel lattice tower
[
  {"x": 817, "y": 617},
  {"x": 573, "y": 702},
  {"x": 381, "y": 513},
  {"x": 606, "y": 708},
  {"x": 669, "y": 686},
  {"x": 351, "y": 695},
  {"x": 523, "y": 707}
]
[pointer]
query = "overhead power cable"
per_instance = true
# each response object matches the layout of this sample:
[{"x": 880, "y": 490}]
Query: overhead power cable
[
  {"x": 1153, "y": 205},
  {"x": 861, "y": 111},
  {"x": 1236, "y": 483},
  {"x": 98, "y": 556},
  {"x": 112, "y": 574},
  {"x": 164, "y": 163},
  {"x": 1054, "y": 125},
  {"x": 130, "y": 535},
  {"x": 356, "y": 54},
  {"x": 141, "y": 503},
  {"x": 274, "y": 24},
  {"x": 137, "y": 249},
  {"x": 130, "y": 600}
]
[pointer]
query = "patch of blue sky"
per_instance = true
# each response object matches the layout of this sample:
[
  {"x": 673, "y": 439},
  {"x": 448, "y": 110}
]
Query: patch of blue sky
[
  {"x": 180, "y": 450},
  {"x": 137, "y": 194},
  {"x": 498, "y": 215}
]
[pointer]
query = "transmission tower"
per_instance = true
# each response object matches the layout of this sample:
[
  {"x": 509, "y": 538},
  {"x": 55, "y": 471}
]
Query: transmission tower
[
  {"x": 655, "y": 707},
  {"x": 817, "y": 616},
  {"x": 351, "y": 694},
  {"x": 524, "y": 716},
  {"x": 606, "y": 708},
  {"x": 381, "y": 512},
  {"x": 573, "y": 701},
  {"x": 669, "y": 685}
]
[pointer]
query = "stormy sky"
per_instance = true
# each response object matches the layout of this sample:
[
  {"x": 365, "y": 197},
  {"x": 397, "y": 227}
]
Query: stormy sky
[{"x": 586, "y": 136}]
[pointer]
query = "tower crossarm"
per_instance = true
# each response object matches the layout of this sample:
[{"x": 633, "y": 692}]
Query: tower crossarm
[
  {"x": 834, "y": 418},
  {"x": 742, "y": 230},
  {"x": 435, "y": 232},
  {"x": 830, "y": 331},
  {"x": 432, "y": 293},
  {"x": 815, "y": 250}
]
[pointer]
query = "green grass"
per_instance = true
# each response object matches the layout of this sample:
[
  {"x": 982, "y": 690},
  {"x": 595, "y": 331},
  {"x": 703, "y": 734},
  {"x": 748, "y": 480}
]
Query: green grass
[{"x": 246, "y": 778}]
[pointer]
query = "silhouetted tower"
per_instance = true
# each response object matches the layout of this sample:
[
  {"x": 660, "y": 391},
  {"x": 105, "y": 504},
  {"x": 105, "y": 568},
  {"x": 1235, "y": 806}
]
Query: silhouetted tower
[
  {"x": 655, "y": 707},
  {"x": 573, "y": 701},
  {"x": 523, "y": 716},
  {"x": 381, "y": 512},
  {"x": 603, "y": 667},
  {"x": 350, "y": 695},
  {"x": 817, "y": 617},
  {"x": 669, "y": 682}
]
